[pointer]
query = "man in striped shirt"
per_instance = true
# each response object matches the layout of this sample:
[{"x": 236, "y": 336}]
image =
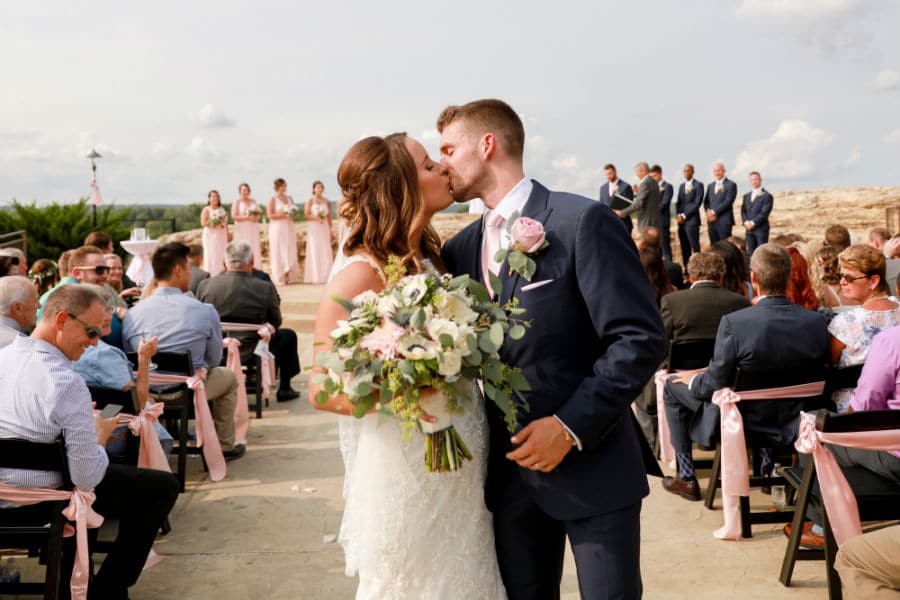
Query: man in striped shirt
[{"x": 43, "y": 398}]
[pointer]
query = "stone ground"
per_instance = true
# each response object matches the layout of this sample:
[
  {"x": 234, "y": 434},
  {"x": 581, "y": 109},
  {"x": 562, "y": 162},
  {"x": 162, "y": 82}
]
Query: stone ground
[{"x": 267, "y": 530}]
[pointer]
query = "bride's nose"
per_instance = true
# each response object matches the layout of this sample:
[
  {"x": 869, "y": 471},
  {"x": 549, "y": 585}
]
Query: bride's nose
[{"x": 442, "y": 169}]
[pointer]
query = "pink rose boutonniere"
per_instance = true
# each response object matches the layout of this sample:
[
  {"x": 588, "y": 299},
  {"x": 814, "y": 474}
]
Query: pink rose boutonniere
[{"x": 527, "y": 238}]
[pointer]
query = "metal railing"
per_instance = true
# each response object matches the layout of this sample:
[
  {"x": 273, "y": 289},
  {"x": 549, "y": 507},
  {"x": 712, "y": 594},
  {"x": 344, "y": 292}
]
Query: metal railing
[{"x": 15, "y": 239}]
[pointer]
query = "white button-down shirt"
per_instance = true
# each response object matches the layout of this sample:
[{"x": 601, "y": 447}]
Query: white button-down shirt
[{"x": 513, "y": 202}]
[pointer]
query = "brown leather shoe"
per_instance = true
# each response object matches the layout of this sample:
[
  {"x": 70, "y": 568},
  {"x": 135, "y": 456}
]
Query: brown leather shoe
[
  {"x": 808, "y": 538},
  {"x": 689, "y": 490}
]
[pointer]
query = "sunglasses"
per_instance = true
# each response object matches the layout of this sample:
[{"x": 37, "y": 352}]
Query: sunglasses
[
  {"x": 851, "y": 278},
  {"x": 100, "y": 270},
  {"x": 92, "y": 332}
]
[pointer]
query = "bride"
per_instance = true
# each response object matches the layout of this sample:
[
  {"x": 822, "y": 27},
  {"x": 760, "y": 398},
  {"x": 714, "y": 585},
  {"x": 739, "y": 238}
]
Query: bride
[{"x": 407, "y": 533}]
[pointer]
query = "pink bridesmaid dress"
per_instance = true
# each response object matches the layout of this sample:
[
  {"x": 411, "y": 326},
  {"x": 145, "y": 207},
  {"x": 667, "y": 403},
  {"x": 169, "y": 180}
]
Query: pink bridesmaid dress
[
  {"x": 248, "y": 231},
  {"x": 283, "y": 245},
  {"x": 319, "y": 257},
  {"x": 214, "y": 241}
]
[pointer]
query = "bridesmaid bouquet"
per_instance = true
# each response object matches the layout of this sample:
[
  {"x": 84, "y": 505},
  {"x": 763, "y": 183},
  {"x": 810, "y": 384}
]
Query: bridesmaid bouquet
[
  {"x": 415, "y": 349},
  {"x": 218, "y": 217},
  {"x": 319, "y": 211},
  {"x": 290, "y": 209},
  {"x": 252, "y": 211}
]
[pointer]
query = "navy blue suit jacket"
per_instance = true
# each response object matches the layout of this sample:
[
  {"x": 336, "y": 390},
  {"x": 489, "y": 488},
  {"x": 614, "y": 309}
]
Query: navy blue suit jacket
[
  {"x": 595, "y": 339},
  {"x": 689, "y": 204},
  {"x": 773, "y": 334},
  {"x": 665, "y": 201},
  {"x": 722, "y": 203},
  {"x": 758, "y": 211},
  {"x": 624, "y": 190}
]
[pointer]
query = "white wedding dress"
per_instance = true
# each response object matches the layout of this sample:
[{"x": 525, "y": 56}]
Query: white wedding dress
[{"x": 407, "y": 533}]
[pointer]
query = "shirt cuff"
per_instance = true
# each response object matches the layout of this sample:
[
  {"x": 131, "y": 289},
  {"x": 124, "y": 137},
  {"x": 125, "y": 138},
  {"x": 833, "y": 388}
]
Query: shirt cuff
[
  {"x": 571, "y": 433},
  {"x": 681, "y": 215}
]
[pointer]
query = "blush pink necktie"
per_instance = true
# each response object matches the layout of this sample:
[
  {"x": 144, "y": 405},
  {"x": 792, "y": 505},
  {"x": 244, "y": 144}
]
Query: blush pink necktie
[{"x": 493, "y": 222}]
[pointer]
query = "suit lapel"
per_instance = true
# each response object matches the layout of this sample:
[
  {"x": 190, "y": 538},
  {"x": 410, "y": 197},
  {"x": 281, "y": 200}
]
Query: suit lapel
[{"x": 536, "y": 208}]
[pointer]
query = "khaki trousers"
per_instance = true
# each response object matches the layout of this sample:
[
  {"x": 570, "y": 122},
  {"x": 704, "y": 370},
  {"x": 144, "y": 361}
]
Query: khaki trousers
[
  {"x": 221, "y": 390},
  {"x": 869, "y": 565}
]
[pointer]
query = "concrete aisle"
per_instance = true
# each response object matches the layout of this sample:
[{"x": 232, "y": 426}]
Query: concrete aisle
[{"x": 264, "y": 531}]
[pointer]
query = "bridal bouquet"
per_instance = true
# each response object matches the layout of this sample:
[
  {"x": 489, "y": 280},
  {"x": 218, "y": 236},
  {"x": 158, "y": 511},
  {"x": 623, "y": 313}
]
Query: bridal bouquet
[
  {"x": 415, "y": 349},
  {"x": 218, "y": 217}
]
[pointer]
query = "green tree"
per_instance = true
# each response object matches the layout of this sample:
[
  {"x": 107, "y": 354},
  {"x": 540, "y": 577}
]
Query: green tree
[{"x": 55, "y": 227}]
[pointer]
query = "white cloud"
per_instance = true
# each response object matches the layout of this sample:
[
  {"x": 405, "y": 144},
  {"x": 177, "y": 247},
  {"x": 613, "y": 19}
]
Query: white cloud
[
  {"x": 892, "y": 137},
  {"x": 571, "y": 176},
  {"x": 791, "y": 152},
  {"x": 826, "y": 25},
  {"x": 854, "y": 158},
  {"x": 430, "y": 135},
  {"x": 211, "y": 116},
  {"x": 203, "y": 151},
  {"x": 887, "y": 80}
]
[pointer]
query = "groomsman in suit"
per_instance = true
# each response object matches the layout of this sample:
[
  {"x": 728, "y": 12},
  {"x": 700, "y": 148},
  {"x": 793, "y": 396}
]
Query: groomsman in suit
[
  {"x": 666, "y": 191},
  {"x": 772, "y": 334},
  {"x": 755, "y": 213},
  {"x": 575, "y": 470},
  {"x": 646, "y": 199},
  {"x": 719, "y": 205},
  {"x": 615, "y": 185},
  {"x": 687, "y": 213}
]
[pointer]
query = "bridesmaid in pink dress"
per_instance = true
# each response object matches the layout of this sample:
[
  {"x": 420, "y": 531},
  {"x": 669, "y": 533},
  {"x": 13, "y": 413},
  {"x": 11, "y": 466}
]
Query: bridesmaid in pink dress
[
  {"x": 214, "y": 220},
  {"x": 245, "y": 213},
  {"x": 282, "y": 236},
  {"x": 319, "y": 237}
]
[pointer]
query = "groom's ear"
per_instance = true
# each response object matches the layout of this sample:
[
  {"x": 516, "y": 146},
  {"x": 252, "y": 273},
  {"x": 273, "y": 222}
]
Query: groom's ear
[{"x": 488, "y": 145}]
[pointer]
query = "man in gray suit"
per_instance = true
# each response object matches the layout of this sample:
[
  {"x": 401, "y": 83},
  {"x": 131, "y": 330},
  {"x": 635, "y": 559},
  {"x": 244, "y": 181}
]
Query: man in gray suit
[
  {"x": 646, "y": 200},
  {"x": 241, "y": 298}
]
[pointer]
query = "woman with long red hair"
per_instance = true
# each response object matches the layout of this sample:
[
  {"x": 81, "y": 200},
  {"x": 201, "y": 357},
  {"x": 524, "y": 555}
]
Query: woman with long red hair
[{"x": 800, "y": 289}]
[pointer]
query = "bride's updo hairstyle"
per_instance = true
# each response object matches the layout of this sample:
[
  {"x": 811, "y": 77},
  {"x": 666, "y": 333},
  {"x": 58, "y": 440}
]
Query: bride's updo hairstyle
[{"x": 381, "y": 204}]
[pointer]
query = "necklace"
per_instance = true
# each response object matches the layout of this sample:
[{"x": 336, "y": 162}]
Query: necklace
[{"x": 875, "y": 298}]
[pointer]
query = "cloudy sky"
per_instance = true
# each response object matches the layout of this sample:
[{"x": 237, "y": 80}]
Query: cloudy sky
[{"x": 180, "y": 97}]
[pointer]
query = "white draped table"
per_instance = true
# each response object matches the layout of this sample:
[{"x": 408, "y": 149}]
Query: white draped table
[{"x": 140, "y": 270}]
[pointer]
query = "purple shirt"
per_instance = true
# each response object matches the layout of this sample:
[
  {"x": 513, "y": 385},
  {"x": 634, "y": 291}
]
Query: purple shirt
[{"x": 879, "y": 384}]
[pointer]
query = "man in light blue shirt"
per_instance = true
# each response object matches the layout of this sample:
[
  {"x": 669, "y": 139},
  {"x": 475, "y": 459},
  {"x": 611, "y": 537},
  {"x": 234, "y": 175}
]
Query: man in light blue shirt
[{"x": 184, "y": 324}]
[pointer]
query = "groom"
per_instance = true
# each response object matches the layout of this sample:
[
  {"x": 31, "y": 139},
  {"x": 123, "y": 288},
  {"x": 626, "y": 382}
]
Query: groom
[{"x": 575, "y": 469}]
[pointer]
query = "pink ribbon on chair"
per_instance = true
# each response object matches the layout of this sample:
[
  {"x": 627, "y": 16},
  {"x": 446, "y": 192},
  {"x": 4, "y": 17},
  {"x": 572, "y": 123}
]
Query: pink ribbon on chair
[
  {"x": 840, "y": 502},
  {"x": 151, "y": 455},
  {"x": 666, "y": 450},
  {"x": 78, "y": 510},
  {"x": 265, "y": 332},
  {"x": 241, "y": 414},
  {"x": 206, "y": 429},
  {"x": 735, "y": 472}
]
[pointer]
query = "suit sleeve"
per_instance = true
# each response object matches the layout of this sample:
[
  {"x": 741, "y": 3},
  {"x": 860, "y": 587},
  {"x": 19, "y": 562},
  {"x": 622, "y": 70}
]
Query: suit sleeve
[
  {"x": 273, "y": 310},
  {"x": 722, "y": 367},
  {"x": 639, "y": 200},
  {"x": 665, "y": 200},
  {"x": 730, "y": 197},
  {"x": 765, "y": 208},
  {"x": 623, "y": 312}
]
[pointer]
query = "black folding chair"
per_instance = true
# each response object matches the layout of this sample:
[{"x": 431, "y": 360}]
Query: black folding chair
[
  {"x": 748, "y": 381},
  {"x": 46, "y": 542},
  {"x": 252, "y": 377},
  {"x": 877, "y": 498}
]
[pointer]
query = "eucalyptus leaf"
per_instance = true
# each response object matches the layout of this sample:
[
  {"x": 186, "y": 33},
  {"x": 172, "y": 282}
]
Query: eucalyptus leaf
[
  {"x": 446, "y": 340},
  {"x": 518, "y": 382},
  {"x": 418, "y": 319},
  {"x": 496, "y": 284},
  {"x": 346, "y": 304},
  {"x": 486, "y": 344},
  {"x": 516, "y": 332},
  {"x": 322, "y": 397},
  {"x": 496, "y": 333}
]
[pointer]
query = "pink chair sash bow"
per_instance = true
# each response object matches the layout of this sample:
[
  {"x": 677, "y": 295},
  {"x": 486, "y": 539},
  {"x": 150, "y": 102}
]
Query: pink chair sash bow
[
  {"x": 151, "y": 455},
  {"x": 735, "y": 472},
  {"x": 206, "y": 429},
  {"x": 265, "y": 333},
  {"x": 241, "y": 414},
  {"x": 79, "y": 510},
  {"x": 840, "y": 502},
  {"x": 666, "y": 450}
]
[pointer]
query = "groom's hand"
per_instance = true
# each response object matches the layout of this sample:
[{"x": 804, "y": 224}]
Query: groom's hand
[{"x": 543, "y": 445}]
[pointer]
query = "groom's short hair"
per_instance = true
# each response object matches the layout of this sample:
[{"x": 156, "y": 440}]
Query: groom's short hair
[{"x": 489, "y": 116}]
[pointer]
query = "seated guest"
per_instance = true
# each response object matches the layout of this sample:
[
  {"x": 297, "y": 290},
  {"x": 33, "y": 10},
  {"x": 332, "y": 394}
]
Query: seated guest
[
  {"x": 100, "y": 239},
  {"x": 650, "y": 238},
  {"x": 862, "y": 279},
  {"x": 735, "y": 278},
  {"x": 838, "y": 236},
  {"x": 197, "y": 273},
  {"x": 878, "y": 237},
  {"x": 653, "y": 264},
  {"x": 45, "y": 275},
  {"x": 86, "y": 264},
  {"x": 126, "y": 291},
  {"x": 869, "y": 565},
  {"x": 878, "y": 389},
  {"x": 17, "y": 260},
  {"x": 183, "y": 323},
  {"x": 800, "y": 290},
  {"x": 830, "y": 274},
  {"x": 43, "y": 399},
  {"x": 773, "y": 334},
  {"x": 892, "y": 258},
  {"x": 241, "y": 298},
  {"x": 18, "y": 307},
  {"x": 105, "y": 366}
]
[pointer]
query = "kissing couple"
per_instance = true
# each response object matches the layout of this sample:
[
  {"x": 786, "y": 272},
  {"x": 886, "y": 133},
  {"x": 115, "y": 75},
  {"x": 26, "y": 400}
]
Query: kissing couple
[{"x": 497, "y": 527}]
